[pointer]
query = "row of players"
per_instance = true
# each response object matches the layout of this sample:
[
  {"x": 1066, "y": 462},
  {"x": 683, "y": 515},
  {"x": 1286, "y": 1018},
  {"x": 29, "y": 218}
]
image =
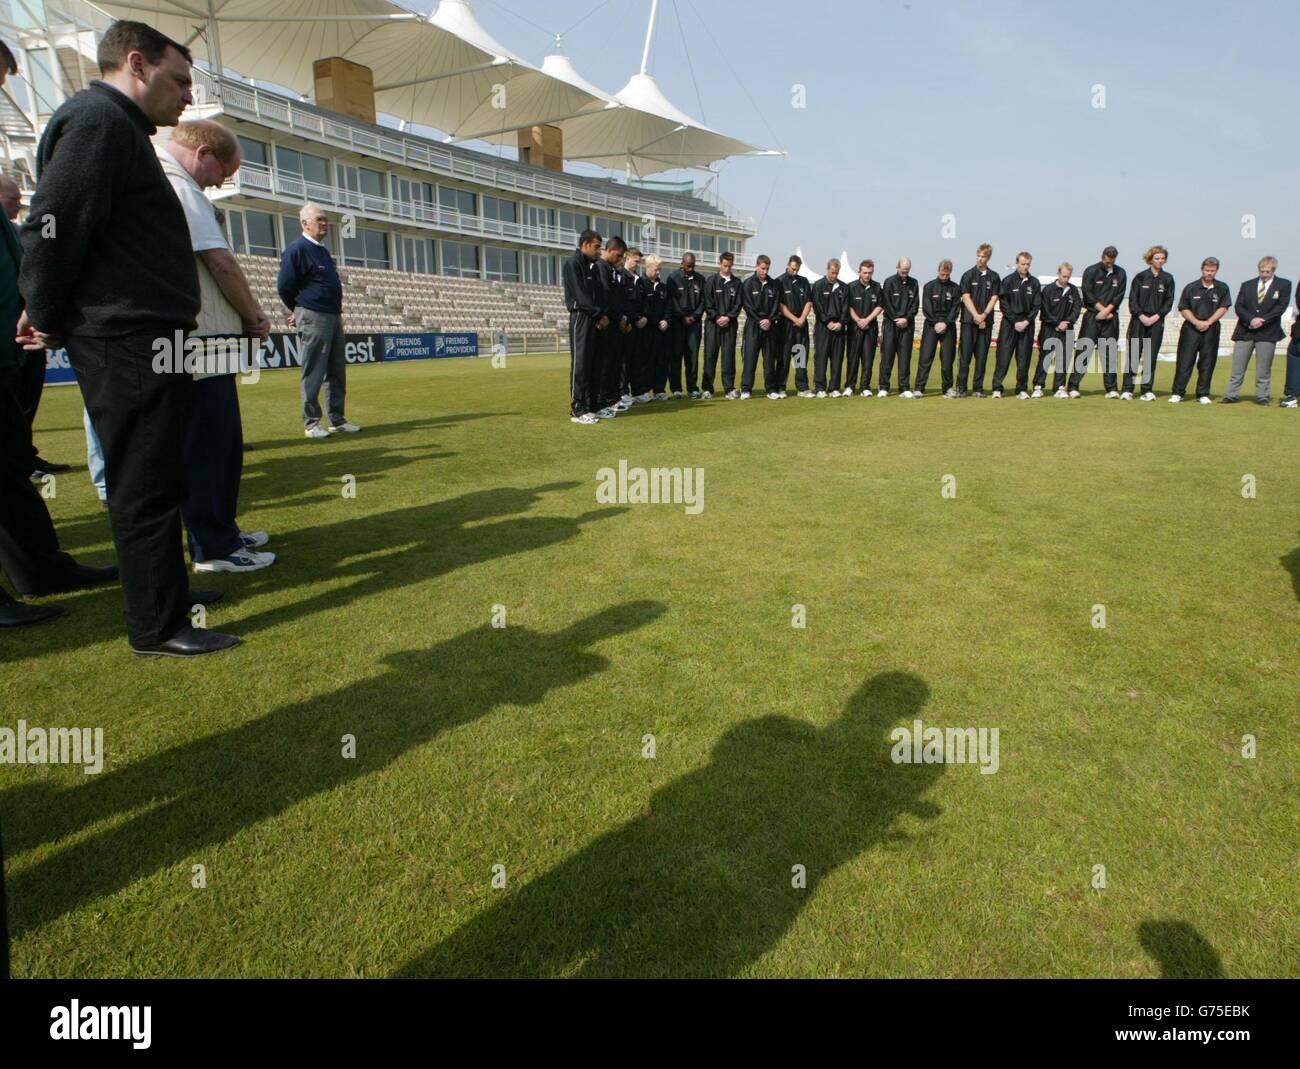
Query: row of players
[{"x": 633, "y": 333}]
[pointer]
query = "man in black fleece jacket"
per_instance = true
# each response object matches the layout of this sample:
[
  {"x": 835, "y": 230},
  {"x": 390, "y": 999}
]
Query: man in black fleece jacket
[{"x": 108, "y": 271}]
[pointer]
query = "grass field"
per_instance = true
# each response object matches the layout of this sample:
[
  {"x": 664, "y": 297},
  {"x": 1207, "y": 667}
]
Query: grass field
[{"x": 522, "y": 746}]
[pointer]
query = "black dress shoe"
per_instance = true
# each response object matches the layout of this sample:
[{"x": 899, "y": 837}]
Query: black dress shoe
[
  {"x": 1262, "y": 401},
  {"x": 1230, "y": 400},
  {"x": 190, "y": 642},
  {"x": 204, "y": 597},
  {"x": 79, "y": 576},
  {"x": 17, "y": 614},
  {"x": 44, "y": 467}
]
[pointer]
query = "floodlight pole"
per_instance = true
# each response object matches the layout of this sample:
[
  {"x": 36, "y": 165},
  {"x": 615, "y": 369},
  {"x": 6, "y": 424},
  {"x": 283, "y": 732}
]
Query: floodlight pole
[{"x": 649, "y": 35}]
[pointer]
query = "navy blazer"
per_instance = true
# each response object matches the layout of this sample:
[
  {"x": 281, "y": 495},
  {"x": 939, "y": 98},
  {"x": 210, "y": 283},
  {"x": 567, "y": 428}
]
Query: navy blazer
[{"x": 1248, "y": 307}]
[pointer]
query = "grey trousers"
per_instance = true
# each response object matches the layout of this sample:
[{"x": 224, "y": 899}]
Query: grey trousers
[
  {"x": 1241, "y": 351},
  {"x": 323, "y": 360}
]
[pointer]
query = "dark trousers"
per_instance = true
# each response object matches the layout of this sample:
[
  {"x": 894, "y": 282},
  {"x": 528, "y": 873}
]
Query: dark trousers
[
  {"x": 214, "y": 461},
  {"x": 613, "y": 345},
  {"x": 946, "y": 343},
  {"x": 140, "y": 416},
  {"x": 584, "y": 364},
  {"x": 638, "y": 371},
  {"x": 896, "y": 344},
  {"x": 1196, "y": 350},
  {"x": 1140, "y": 356},
  {"x": 1104, "y": 335},
  {"x": 720, "y": 340},
  {"x": 1014, "y": 344},
  {"x": 686, "y": 351},
  {"x": 764, "y": 343},
  {"x": 659, "y": 356},
  {"x": 828, "y": 356},
  {"x": 974, "y": 347},
  {"x": 1292, "y": 388},
  {"x": 794, "y": 350},
  {"x": 33, "y": 383},
  {"x": 862, "y": 355},
  {"x": 29, "y": 548},
  {"x": 1054, "y": 349}
]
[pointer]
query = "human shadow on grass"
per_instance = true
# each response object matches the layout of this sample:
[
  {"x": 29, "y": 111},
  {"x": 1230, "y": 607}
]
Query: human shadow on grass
[
  {"x": 368, "y": 431},
  {"x": 177, "y": 802},
  {"x": 701, "y": 882},
  {"x": 1180, "y": 950},
  {"x": 390, "y": 550},
  {"x": 94, "y": 616},
  {"x": 1291, "y": 562},
  {"x": 284, "y": 480}
]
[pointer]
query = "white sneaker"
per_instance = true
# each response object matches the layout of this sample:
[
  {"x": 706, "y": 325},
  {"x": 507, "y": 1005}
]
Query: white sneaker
[
  {"x": 996, "y": 393},
  {"x": 677, "y": 395},
  {"x": 645, "y": 398},
  {"x": 1175, "y": 399},
  {"x": 254, "y": 539},
  {"x": 1126, "y": 396},
  {"x": 1038, "y": 391},
  {"x": 773, "y": 396},
  {"x": 950, "y": 392},
  {"x": 906, "y": 393},
  {"x": 745, "y": 396},
  {"x": 782, "y": 394},
  {"x": 587, "y": 419},
  {"x": 1023, "y": 396},
  {"x": 835, "y": 393},
  {"x": 1148, "y": 396},
  {"x": 661, "y": 396},
  {"x": 695, "y": 395},
  {"x": 707, "y": 394},
  {"x": 346, "y": 427},
  {"x": 622, "y": 404},
  {"x": 732, "y": 395},
  {"x": 628, "y": 400},
  {"x": 866, "y": 392},
  {"x": 821, "y": 393},
  {"x": 918, "y": 393},
  {"x": 1111, "y": 394},
  {"x": 1075, "y": 393},
  {"x": 1207, "y": 401},
  {"x": 882, "y": 393},
  {"x": 607, "y": 413},
  {"x": 242, "y": 560},
  {"x": 316, "y": 431},
  {"x": 1289, "y": 402},
  {"x": 848, "y": 393},
  {"x": 1061, "y": 393}
]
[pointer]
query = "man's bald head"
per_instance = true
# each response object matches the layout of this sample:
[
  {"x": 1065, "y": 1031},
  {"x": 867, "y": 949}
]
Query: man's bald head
[{"x": 11, "y": 197}]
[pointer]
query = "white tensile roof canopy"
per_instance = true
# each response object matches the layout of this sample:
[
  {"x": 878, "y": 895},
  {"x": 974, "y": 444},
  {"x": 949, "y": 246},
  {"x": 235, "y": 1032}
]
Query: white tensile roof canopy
[{"x": 442, "y": 70}]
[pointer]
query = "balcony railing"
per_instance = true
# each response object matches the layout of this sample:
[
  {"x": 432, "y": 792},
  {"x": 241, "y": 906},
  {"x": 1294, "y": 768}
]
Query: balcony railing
[
  {"x": 238, "y": 99},
  {"x": 257, "y": 181}
]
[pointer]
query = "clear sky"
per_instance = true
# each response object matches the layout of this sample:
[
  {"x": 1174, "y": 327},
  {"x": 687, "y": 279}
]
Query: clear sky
[{"x": 982, "y": 111}]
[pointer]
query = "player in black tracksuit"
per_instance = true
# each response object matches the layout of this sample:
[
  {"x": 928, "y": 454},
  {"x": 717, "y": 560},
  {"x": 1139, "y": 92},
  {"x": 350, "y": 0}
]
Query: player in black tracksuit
[
  {"x": 979, "y": 296},
  {"x": 1202, "y": 305},
  {"x": 1059, "y": 302},
  {"x": 583, "y": 297},
  {"x": 940, "y": 304},
  {"x": 687, "y": 288},
  {"x": 865, "y": 310},
  {"x": 657, "y": 307},
  {"x": 1103, "y": 289},
  {"x": 831, "y": 302},
  {"x": 635, "y": 377},
  {"x": 902, "y": 300},
  {"x": 761, "y": 296},
  {"x": 796, "y": 306},
  {"x": 1151, "y": 294},
  {"x": 1018, "y": 300},
  {"x": 615, "y": 339},
  {"x": 722, "y": 308}
]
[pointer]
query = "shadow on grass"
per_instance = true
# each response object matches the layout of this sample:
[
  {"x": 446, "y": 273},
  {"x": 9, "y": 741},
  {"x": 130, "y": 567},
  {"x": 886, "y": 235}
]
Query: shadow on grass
[
  {"x": 298, "y": 479},
  {"x": 1180, "y": 950},
  {"x": 369, "y": 431},
  {"x": 701, "y": 882},
  {"x": 1291, "y": 562},
  {"x": 389, "y": 550},
  {"x": 184, "y": 799}
]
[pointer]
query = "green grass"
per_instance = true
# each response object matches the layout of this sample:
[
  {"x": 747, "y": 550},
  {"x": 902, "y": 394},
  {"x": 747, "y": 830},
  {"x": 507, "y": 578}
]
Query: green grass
[{"x": 522, "y": 746}]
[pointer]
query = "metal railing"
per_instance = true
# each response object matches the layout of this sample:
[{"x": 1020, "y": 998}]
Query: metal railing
[
  {"x": 255, "y": 180},
  {"x": 213, "y": 94}
]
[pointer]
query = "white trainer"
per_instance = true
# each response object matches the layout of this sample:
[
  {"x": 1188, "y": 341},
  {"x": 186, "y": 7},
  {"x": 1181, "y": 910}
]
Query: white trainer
[
  {"x": 732, "y": 395},
  {"x": 906, "y": 393},
  {"x": 662, "y": 395},
  {"x": 1075, "y": 393},
  {"x": 1126, "y": 396},
  {"x": 587, "y": 419},
  {"x": 1112, "y": 394},
  {"x": 607, "y": 413},
  {"x": 866, "y": 392},
  {"x": 745, "y": 396},
  {"x": 707, "y": 394},
  {"x": 1148, "y": 396},
  {"x": 242, "y": 560},
  {"x": 316, "y": 431},
  {"x": 1061, "y": 392},
  {"x": 254, "y": 539},
  {"x": 996, "y": 393},
  {"x": 882, "y": 393},
  {"x": 1175, "y": 399},
  {"x": 346, "y": 427},
  {"x": 1038, "y": 391},
  {"x": 1207, "y": 401}
]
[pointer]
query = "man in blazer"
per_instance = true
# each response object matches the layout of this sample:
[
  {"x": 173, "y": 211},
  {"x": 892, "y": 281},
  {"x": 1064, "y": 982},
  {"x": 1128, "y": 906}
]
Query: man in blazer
[{"x": 1260, "y": 304}]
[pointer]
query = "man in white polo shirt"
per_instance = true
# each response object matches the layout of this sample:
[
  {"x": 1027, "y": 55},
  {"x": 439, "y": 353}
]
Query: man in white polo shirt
[{"x": 202, "y": 154}]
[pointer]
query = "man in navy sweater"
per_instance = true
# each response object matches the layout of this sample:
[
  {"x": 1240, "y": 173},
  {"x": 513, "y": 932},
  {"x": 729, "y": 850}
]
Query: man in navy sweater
[{"x": 310, "y": 287}]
